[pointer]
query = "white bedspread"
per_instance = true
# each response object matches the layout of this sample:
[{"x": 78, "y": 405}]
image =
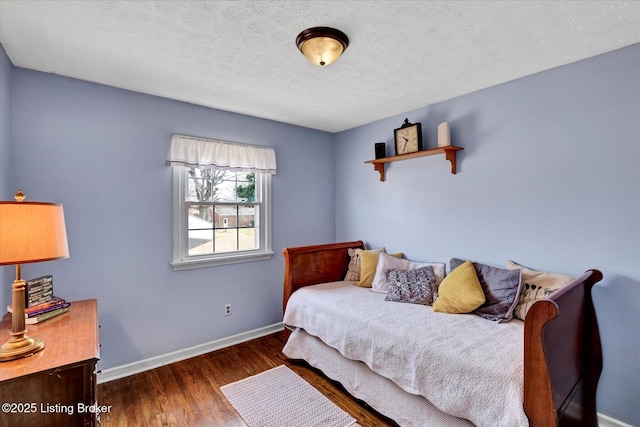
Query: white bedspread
[{"x": 466, "y": 366}]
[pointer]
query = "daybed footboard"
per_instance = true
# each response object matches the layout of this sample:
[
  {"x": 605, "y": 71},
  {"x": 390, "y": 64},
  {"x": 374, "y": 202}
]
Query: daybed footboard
[
  {"x": 563, "y": 357},
  {"x": 562, "y": 351}
]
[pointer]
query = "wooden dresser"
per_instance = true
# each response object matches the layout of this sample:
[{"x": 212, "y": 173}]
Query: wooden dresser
[{"x": 56, "y": 386}]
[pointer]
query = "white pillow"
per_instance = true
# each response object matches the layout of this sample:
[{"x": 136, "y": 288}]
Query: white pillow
[{"x": 387, "y": 262}]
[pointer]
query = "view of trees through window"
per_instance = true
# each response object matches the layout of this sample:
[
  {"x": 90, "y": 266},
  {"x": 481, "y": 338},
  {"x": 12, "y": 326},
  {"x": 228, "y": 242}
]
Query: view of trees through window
[{"x": 222, "y": 211}]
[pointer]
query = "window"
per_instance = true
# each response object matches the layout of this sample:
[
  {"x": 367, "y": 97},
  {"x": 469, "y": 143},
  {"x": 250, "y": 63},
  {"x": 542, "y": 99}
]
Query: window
[
  {"x": 221, "y": 214},
  {"x": 220, "y": 217}
]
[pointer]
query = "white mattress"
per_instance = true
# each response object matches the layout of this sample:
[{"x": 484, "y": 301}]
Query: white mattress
[{"x": 464, "y": 365}]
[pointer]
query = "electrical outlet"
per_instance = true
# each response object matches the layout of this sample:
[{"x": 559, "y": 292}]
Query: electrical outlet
[{"x": 227, "y": 309}]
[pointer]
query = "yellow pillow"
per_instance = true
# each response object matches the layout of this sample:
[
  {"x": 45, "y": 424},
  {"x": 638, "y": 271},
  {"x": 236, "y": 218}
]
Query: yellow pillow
[
  {"x": 368, "y": 264},
  {"x": 460, "y": 292}
]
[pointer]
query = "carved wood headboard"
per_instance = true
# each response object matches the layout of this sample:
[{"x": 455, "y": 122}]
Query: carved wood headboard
[{"x": 310, "y": 265}]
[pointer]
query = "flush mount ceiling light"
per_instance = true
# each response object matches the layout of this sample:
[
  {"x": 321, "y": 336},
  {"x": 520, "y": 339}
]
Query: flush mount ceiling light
[{"x": 322, "y": 45}]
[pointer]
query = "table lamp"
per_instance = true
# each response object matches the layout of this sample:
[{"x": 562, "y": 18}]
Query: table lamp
[{"x": 29, "y": 232}]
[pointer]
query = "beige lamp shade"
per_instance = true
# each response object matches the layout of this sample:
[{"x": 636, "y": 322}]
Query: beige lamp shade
[{"x": 32, "y": 232}]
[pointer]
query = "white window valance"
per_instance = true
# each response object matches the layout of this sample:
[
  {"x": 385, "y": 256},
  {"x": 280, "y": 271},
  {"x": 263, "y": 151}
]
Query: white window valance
[{"x": 223, "y": 155}]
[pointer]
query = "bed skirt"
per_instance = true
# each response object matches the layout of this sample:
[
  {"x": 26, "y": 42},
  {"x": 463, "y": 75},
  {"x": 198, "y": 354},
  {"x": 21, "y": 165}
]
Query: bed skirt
[{"x": 380, "y": 393}]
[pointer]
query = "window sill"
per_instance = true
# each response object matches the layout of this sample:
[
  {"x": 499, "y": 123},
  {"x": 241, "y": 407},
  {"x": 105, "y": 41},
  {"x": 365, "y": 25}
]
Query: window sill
[{"x": 190, "y": 264}]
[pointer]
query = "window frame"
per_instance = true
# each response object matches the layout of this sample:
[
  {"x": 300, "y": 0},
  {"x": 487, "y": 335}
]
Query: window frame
[{"x": 181, "y": 258}]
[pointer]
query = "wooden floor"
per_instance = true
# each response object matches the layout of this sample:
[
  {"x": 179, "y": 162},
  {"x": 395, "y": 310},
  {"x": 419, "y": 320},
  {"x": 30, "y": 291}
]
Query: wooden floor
[{"x": 187, "y": 393}]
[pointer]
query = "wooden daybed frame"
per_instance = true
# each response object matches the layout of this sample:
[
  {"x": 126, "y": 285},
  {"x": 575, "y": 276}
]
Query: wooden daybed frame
[{"x": 562, "y": 351}]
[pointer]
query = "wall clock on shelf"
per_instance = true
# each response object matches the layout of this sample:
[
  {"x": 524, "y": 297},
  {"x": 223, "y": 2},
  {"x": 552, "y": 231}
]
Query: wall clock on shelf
[{"x": 408, "y": 138}]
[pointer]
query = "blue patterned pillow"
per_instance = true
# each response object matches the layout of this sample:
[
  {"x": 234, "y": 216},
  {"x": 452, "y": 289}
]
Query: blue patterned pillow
[{"x": 413, "y": 286}]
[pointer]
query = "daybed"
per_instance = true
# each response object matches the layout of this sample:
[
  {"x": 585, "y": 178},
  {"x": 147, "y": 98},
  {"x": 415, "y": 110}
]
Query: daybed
[{"x": 421, "y": 368}]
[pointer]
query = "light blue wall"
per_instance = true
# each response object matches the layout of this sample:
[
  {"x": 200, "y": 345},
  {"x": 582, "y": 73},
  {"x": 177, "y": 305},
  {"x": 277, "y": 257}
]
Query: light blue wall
[
  {"x": 549, "y": 177},
  {"x": 101, "y": 152},
  {"x": 6, "y": 75},
  {"x": 7, "y": 274}
]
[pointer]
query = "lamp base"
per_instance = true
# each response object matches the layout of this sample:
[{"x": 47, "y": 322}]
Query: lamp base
[
  {"x": 18, "y": 347},
  {"x": 19, "y": 344}
]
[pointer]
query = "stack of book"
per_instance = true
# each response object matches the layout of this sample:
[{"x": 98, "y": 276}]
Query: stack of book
[{"x": 40, "y": 303}]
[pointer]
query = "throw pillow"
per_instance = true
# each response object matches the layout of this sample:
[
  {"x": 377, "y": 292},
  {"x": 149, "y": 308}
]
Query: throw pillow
[
  {"x": 387, "y": 262},
  {"x": 501, "y": 289},
  {"x": 411, "y": 286},
  {"x": 537, "y": 285},
  {"x": 368, "y": 263},
  {"x": 460, "y": 292}
]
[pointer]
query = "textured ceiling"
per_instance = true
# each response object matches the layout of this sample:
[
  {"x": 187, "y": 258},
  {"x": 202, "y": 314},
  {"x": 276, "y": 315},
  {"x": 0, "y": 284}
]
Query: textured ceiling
[{"x": 241, "y": 56}]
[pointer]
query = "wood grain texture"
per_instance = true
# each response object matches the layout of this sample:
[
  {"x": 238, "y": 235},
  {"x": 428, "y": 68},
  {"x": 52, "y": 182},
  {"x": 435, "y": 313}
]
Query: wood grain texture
[
  {"x": 563, "y": 357},
  {"x": 187, "y": 393},
  {"x": 69, "y": 338},
  {"x": 310, "y": 265}
]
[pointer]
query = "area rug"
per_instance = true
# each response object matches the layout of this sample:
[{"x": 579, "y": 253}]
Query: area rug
[{"x": 280, "y": 398}]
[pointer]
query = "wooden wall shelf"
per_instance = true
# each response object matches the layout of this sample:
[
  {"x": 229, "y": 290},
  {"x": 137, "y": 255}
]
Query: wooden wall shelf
[{"x": 449, "y": 152}]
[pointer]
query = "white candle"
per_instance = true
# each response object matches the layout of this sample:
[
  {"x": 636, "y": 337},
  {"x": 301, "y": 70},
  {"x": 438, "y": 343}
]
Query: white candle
[{"x": 444, "y": 135}]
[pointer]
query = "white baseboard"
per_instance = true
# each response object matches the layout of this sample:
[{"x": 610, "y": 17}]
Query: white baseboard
[
  {"x": 176, "y": 356},
  {"x": 606, "y": 421}
]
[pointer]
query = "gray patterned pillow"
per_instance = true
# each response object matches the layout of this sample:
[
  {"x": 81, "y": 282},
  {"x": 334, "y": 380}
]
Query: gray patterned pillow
[{"x": 413, "y": 286}]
